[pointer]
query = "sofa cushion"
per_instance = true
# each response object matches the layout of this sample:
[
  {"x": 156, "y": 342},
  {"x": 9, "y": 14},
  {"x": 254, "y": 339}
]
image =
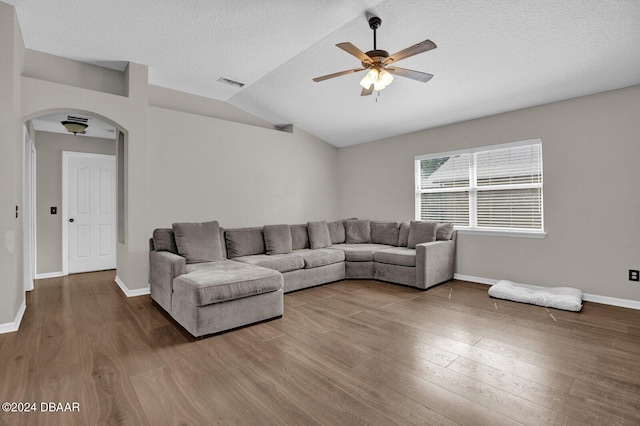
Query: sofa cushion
[
  {"x": 357, "y": 231},
  {"x": 403, "y": 235},
  {"x": 164, "y": 240},
  {"x": 336, "y": 232},
  {"x": 444, "y": 231},
  {"x": 401, "y": 256},
  {"x": 320, "y": 257},
  {"x": 244, "y": 242},
  {"x": 198, "y": 242},
  {"x": 385, "y": 233},
  {"x": 359, "y": 252},
  {"x": 278, "y": 262},
  {"x": 226, "y": 280},
  {"x": 299, "y": 237},
  {"x": 318, "y": 235},
  {"x": 277, "y": 239},
  {"x": 421, "y": 232}
]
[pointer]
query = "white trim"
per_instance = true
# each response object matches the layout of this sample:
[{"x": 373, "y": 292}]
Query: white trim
[
  {"x": 535, "y": 141},
  {"x": 64, "y": 215},
  {"x": 50, "y": 275},
  {"x": 479, "y": 280},
  {"x": 28, "y": 211},
  {"x": 132, "y": 293},
  {"x": 502, "y": 233},
  {"x": 587, "y": 297},
  {"x": 614, "y": 301},
  {"x": 15, "y": 325}
]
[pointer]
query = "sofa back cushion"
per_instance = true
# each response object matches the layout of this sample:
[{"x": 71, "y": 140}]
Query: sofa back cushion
[
  {"x": 403, "y": 235},
  {"x": 385, "y": 233},
  {"x": 444, "y": 231},
  {"x": 299, "y": 237},
  {"x": 357, "y": 231},
  {"x": 199, "y": 242},
  {"x": 319, "y": 236},
  {"x": 244, "y": 242},
  {"x": 421, "y": 232},
  {"x": 336, "y": 232},
  {"x": 164, "y": 240},
  {"x": 277, "y": 239}
]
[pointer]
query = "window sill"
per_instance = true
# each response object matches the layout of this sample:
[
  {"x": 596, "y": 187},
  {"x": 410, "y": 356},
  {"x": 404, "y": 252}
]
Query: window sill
[{"x": 502, "y": 233}]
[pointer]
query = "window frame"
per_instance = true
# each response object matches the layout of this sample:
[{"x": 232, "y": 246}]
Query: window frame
[{"x": 473, "y": 189}]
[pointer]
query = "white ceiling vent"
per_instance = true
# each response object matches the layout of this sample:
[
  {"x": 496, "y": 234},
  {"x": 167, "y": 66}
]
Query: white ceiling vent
[
  {"x": 77, "y": 119},
  {"x": 230, "y": 82}
]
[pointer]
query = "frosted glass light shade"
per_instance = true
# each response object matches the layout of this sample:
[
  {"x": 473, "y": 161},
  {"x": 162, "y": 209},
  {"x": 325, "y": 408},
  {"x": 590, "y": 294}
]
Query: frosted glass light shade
[
  {"x": 385, "y": 77},
  {"x": 369, "y": 79}
]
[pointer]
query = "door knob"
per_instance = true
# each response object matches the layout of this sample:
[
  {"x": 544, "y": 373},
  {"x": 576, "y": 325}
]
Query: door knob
[{"x": 72, "y": 220}]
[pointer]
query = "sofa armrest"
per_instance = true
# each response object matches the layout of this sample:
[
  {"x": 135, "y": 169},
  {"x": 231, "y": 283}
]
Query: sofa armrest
[
  {"x": 434, "y": 263},
  {"x": 164, "y": 266}
]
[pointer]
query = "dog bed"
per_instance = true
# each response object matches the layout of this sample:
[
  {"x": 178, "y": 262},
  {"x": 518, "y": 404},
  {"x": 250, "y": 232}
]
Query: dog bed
[{"x": 566, "y": 298}]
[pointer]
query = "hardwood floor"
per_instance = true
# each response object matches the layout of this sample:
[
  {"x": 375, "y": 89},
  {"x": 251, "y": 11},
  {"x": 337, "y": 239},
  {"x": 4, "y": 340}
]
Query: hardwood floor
[{"x": 353, "y": 352}]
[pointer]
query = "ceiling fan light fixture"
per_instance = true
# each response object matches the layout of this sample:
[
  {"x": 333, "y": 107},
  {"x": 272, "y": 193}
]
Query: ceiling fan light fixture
[
  {"x": 370, "y": 78},
  {"x": 378, "y": 86},
  {"x": 385, "y": 77},
  {"x": 375, "y": 62}
]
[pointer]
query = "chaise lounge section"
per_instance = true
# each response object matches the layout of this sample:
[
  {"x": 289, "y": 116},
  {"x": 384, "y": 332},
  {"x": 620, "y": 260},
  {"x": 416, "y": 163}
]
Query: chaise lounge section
[{"x": 211, "y": 280}]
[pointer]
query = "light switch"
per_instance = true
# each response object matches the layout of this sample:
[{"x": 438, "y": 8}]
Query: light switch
[{"x": 54, "y": 210}]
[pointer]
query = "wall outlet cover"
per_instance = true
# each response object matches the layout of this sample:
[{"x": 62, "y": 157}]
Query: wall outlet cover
[{"x": 634, "y": 275}]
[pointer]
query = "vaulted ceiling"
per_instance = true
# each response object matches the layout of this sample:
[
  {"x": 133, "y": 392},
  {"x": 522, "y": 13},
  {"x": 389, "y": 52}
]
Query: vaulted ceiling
[{"x": 493, "y": 56}]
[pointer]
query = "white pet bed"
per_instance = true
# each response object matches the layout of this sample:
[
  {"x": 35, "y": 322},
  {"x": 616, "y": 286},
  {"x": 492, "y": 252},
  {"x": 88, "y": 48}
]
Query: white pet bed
[{"x": 566, "y": 298}]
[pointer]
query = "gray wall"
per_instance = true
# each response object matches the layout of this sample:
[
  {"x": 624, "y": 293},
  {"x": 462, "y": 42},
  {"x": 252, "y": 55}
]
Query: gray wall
[
  {"x": 49, "y": 147},
  {"x": 590, "y": 152},
  {"x": 199, "y": 105},
  {"x": 44, "y": 66},
  {"x": 204, "y": 168},
  {"x": 11, "y": 161}
]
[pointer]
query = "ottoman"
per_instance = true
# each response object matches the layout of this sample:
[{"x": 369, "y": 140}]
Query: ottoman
[{"x": 223, "y": 295}]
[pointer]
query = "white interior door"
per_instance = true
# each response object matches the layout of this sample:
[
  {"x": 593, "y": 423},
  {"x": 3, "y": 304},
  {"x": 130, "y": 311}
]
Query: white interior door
[{"x": 90, "y": 211}]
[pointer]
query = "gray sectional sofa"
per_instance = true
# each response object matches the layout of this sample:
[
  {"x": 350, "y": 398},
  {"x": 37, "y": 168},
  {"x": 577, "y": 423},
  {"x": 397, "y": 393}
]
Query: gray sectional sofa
[{"x": 210, "y": 279}]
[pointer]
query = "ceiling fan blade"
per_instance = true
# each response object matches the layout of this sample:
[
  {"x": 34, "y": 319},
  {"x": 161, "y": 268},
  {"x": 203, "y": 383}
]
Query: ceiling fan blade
[
  {"x": 350, "y": 48},
  {"x": 421, "y": 47},
  {"x": 414, "y": 75},
  {"x": 337, "y": 74},
  {"x": 367, "y": 92}
]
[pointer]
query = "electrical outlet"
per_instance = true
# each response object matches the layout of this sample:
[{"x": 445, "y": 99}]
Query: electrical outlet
[
  {"x": 54, "y": 210},
  {"x": 634, "y": 275}
]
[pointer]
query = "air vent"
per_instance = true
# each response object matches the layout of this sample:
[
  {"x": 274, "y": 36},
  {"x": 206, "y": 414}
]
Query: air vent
[
  {"x": 230, "y": 82},
  {"x": 77, "y": 119}
]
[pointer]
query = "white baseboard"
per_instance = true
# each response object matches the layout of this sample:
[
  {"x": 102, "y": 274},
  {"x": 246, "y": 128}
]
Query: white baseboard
[
  {"x": 49, "y": 275},
  {"x": 614, "y": 301},
  {"x": 587, "y": 297},
  {"x": 479, "y": 280},
  {"x": 13, "y": 326},
  {"x": 132, "y": 293}
]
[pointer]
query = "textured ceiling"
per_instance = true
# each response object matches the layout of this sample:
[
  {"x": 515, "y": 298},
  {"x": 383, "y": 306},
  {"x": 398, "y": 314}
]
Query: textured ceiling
[{"x": 492, "y": 56}]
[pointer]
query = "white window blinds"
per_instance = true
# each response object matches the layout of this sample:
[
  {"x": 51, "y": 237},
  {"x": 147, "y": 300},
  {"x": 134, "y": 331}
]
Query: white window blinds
[
  {"x": 498, "y": 188},
  {"x": 445, "y": 181}
]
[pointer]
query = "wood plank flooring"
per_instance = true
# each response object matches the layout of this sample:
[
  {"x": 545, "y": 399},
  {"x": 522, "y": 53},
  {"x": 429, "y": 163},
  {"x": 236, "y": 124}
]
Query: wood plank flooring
[{"x": 352, "y": 352}]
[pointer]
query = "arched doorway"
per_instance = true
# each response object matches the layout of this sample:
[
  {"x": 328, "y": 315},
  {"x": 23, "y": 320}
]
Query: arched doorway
[{"x": 47, "y": 246}]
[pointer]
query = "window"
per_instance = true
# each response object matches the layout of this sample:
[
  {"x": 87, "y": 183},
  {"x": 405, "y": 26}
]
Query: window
[{"x": 495, "y": 189}]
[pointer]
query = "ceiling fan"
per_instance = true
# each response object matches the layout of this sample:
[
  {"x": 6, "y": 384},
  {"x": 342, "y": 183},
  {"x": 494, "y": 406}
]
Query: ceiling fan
[{"x": 380, "y": 64}]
